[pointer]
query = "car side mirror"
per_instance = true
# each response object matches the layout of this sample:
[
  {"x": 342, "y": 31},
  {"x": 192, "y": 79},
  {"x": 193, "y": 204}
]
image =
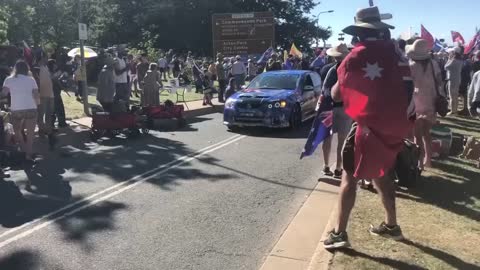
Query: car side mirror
[{"x": 308, "y": 88}]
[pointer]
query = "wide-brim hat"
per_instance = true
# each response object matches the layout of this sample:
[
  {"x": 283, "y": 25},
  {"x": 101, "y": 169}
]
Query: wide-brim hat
[
  {"x": 341, "y": 50},
  {"x": 367, "y": 18},
  {"x": 419, "y": 50}
]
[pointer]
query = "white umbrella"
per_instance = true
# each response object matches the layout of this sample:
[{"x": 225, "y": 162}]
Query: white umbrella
[{"x": 89, "y": 53}]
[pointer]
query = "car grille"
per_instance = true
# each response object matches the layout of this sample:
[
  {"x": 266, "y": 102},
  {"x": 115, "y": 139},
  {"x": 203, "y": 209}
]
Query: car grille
[{"x": 250, "y": 104}]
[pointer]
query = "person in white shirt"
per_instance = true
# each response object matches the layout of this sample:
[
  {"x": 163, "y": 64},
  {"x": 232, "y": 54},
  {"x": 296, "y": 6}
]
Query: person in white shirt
[
  {"x": 162, "y": 67},
  {"x": 239, "y": 71},
  {"x": 121, "y": 81},
  {"x": 474, "y": 94},
  {"x": 23, "y": 90}
]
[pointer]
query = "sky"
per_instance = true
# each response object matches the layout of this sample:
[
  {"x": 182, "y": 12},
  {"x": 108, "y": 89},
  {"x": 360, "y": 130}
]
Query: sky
[{"x": 438, "y": 16}]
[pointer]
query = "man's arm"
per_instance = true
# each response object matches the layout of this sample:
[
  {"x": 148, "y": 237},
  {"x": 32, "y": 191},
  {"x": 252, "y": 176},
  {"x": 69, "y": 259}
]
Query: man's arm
[{"x": 336, "y": 95}]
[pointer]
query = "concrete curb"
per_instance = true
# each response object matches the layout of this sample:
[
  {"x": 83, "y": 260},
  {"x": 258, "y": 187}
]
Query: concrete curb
[
  {"x": 322, "y": 258},
  {"x": 299, "y": 242},
  {"x": 203, "y": 111},
  {"x": 217, "y": 108}
]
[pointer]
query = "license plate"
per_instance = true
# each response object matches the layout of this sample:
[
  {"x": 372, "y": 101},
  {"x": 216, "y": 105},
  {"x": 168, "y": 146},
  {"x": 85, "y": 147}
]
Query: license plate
[{"x": 247, "y": 114}]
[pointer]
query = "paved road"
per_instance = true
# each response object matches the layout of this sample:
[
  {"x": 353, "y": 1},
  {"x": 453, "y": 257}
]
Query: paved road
[{"x": 200, "y": 198}]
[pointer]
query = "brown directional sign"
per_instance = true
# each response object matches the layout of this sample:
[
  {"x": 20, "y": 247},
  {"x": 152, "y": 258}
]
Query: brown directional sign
[{"x": 243, "y": 33}]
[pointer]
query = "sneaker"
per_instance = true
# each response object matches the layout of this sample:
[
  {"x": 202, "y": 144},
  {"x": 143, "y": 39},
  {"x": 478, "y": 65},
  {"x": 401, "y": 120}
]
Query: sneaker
[
  {"x": 327, "y": 172},
  {"x": 337, "y": 174},
  {"x": 394, "y": 232},
  {"x": 336, "y": 241}
]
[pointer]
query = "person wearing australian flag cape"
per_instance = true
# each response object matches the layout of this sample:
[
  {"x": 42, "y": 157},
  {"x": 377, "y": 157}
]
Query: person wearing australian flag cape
[
  {"x": 331, "y": 118},
  {"x": 376, "y": 88}
]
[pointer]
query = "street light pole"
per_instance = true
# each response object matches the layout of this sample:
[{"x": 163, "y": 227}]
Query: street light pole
[
  {"x": 318, "y": 21},
  {"x": 83, "y": 68}
]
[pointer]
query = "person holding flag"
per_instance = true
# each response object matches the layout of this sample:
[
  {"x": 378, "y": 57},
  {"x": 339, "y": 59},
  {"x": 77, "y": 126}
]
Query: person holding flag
[
  {"x": 375, "y": 86},
  {"x": 341, "y": 123}
]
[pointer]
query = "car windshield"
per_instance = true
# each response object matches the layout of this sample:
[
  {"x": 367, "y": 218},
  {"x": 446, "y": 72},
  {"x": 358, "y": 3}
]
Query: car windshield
[{"x": 274, "y": 81}]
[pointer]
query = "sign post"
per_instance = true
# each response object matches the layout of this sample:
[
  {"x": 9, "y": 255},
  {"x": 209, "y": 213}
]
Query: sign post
[
  {"x": 243, "y": 33},
  {"x": 82, "y": 36}
]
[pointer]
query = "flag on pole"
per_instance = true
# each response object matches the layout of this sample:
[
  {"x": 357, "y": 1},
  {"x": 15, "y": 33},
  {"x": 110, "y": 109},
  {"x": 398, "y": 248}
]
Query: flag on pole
[
  {"x": 427, "y": 36},
  {"x": 27, "y": 54},
  {"x": 321, "y": 128},
  {"x": 473, "y": 43},
  {"x": 437, "y": 46},
  {"x": 457, "y": 37},
  {"x": 295, "y": 51},
  {"x": 266, "y": 56}
]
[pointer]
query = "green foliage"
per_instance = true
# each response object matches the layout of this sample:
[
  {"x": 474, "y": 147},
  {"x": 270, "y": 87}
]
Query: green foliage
[
  {"x": 149, "y": 24},
  {"x": 4, "y": 18}
]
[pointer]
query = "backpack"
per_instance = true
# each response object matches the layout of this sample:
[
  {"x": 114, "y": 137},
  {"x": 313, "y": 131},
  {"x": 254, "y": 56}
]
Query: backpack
[
  {"x": 407, "y": 171},
  {"x": 11, "y": 200}
]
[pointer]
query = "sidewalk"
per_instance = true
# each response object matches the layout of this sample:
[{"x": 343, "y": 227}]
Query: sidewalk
[
  {"x": 192, "y": 109},
  {"x": 299, "y": 247}
]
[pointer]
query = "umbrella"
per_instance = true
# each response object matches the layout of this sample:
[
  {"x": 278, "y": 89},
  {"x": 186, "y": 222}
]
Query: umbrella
[{"x": 89, "y": 53}]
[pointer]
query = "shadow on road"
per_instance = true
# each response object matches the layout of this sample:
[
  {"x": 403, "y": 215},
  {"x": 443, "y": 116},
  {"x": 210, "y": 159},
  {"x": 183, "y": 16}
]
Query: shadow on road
[
  {"x": 301, "y": 133},
  {"x": 113, "y": 161}
]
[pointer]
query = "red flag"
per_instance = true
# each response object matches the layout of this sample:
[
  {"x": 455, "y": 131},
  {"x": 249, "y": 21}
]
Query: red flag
[
  {"x": 457, "y": 37},
  {"x": 27, "y": 54},
  {"x": 473, "y": 43},
  {"x": 427, "y": 36},
  {"x": 372, "y": 85}
]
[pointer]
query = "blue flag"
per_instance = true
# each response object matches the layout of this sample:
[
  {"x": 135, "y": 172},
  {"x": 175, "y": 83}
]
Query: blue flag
[
  {"x": 437, "y": 46},
  {"x": 321, "y": 128},
  {"x": 266, "y": 56}
]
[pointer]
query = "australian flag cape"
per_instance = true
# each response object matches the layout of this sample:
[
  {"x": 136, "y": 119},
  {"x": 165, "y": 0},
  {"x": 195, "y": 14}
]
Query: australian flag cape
[{"x": 321, "y": 128}]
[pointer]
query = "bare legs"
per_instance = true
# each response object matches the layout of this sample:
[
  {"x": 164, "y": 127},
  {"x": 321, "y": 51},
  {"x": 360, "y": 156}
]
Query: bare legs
[
  {"x": 348, "y": 191},
  {"x": 423, "y": 138},
  {"x": 26, "y": 143},
  {"x": 326, "y": 148}
]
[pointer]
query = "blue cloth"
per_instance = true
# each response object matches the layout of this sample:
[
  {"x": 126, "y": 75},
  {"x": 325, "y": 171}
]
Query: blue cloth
[
  {"x": 321, "y": 130},
  {"x": 318, "y": 63},
  {"x": 288, "y": 65},
  {"x": 266, "y": 56}
]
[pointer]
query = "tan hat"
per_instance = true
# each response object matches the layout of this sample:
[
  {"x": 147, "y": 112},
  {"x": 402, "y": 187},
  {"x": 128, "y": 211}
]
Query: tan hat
[
  {"x": 419, "y": 50},
  {"x": 367, "y": 18},
  {"x": 341, "y": 50}
]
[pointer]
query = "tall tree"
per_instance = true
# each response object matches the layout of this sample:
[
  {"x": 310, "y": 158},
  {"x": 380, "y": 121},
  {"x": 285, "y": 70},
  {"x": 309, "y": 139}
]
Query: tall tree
[{"x": 4, "y": 18}]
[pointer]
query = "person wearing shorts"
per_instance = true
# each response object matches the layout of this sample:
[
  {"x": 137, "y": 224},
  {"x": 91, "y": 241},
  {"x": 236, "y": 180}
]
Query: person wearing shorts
[
  {"x": 375, "y": 85},
  {"x": 341, "y": 121},
  {"x": 23, "y": 90}
]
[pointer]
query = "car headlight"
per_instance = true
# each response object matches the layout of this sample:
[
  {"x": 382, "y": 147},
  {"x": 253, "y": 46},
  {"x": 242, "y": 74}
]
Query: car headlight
[
  {"x": 278, "y": 104},
  {"x": 230, "y": 104}
]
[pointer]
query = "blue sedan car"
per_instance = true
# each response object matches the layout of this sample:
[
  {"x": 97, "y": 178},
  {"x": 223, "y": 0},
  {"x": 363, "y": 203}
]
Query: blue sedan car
[{"x": 276, "y": 99}]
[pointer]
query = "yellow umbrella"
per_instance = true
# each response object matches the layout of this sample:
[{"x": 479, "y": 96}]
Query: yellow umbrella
[{"x": 89, "y": 53}]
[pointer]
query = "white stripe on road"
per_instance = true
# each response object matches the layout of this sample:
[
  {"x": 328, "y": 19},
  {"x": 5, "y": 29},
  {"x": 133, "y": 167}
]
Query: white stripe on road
[{"x": 133, "y": 182}]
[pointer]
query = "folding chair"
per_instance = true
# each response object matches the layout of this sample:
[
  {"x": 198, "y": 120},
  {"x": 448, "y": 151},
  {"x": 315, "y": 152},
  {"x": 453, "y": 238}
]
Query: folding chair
[{"x": 181, "y": 94}]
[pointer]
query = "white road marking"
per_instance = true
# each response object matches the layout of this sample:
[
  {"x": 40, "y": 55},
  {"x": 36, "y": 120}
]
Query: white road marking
[{"x": 133, "y": 182}]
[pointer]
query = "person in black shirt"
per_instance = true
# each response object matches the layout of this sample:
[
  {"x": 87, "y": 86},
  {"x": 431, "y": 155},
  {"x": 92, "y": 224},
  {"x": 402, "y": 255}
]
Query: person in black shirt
[
  {"x": 324, "y": 70},
  {"x": 341, "y": 122},
  {"x": 273, "y": 64},
  {"x": 476, "y": 63}
]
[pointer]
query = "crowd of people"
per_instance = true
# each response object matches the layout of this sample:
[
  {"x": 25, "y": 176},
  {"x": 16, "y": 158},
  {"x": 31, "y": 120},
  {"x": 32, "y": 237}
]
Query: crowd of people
[{"x": 382, "y": 92}]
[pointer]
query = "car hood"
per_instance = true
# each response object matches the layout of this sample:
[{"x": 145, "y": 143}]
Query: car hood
[{"x": 263, "y": 94}]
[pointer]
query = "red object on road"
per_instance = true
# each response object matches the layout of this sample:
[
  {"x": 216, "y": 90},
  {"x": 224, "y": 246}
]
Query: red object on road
[
  {"x": 164, "y": 112},
  {"x": 109, "y": 121}
]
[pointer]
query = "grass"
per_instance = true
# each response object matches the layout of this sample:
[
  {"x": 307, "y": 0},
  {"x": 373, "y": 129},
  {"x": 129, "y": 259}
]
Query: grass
[
  {"x": 74, "y": 109},
  {"x": 440, "y": 218}
]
